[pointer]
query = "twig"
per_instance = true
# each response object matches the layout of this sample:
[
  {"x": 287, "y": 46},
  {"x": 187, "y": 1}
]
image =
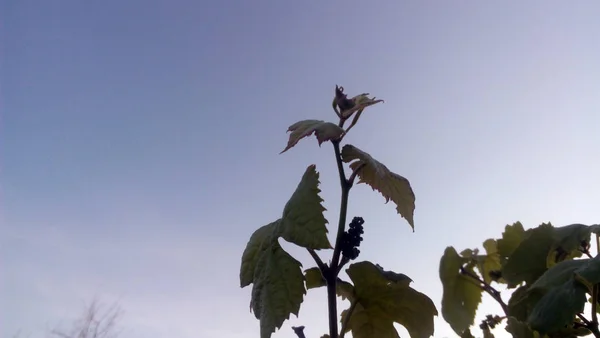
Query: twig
[
  {"x": 487, "y": 288},
  {"x": 347, "y": 318},
  {"x": 318, "y": 260},
  {"x": 299, "y": 331}
]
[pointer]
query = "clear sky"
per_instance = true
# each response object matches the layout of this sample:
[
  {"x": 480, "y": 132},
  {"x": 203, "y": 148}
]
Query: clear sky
[{"x": 140, "y": 139}]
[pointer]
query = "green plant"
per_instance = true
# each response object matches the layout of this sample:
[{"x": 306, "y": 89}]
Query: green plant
[
  {"x": 543, "y": 265},
  {"x": 378, "y": 298}
]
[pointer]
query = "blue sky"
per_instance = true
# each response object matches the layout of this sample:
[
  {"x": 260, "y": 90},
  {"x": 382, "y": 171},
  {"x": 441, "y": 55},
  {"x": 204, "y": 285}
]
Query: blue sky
[{"x": 140, "y": 139}]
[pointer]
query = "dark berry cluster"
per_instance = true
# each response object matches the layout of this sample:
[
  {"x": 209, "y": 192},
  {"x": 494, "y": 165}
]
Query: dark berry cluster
[{"x": 351, "y": 239}]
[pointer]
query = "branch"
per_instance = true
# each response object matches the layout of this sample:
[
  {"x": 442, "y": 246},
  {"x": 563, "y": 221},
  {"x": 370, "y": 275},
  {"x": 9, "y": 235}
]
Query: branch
[
  {"x": 347, "y": 318},
  {"x": 299, "y": 331},
  {"x": 318, "y": 260},
  {"x": 487, "y": 288}
]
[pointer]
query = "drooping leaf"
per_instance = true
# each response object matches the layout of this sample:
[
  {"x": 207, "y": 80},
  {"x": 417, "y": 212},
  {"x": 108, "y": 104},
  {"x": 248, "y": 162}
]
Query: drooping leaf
[
  {"x": 314, "y": 278},
  {"x": 303, "y": 222},
  {"x": 558, "y": 274},
  {"x": 558, "y": 307},
  {"x": 369, "y": 323},
  {"x": 278, "y": 288},
  {"x": 511, "y": 238},
  {"x": 589, "y": 272},
  {"x": 259, "y": 241},
  {"x": 361, "y": 102},
  {"x": 388, "y": 298},
  {"x": 324, "y": 131},
  {"x": 391, "y": 185},
  {"x": 520, "y": 329},
  {"x": 461, "y": 296},
  {"x": 529, "y": 260}
]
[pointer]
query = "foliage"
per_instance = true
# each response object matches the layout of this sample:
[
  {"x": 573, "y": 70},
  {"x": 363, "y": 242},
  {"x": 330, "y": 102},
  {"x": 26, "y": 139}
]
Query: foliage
[
  {"x": 546, "y": 269},
  {"x": 378, "y": 298}
]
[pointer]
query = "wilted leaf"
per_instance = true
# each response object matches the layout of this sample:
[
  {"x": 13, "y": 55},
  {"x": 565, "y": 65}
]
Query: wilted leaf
[
  {"x": 390, "y": 296},
  {"x": 314, "y": 278},
  {"x": 391, "y": 185},
  {"x": 259, "y": 241},
  {"x": 278, "y": 288},
  {"x": 324, "y": 131},
  {"x": 461, "y": 295},
  {"x": 529, "y": 260},
  {"x": 370, "y": 323},
  {"x": 511, "y": 238},
  {"x": 558, "y": 307},
  {"x": 303, "y": 222}
]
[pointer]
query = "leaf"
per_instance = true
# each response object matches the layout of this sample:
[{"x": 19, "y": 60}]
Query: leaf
[
  {"x": 589, "y": 271},
  {"x": 303, "y": 222},
  {"x": 511, "y": 238},
  {"x": 324, "y": 131},
  {"x": 568, "y": 240},
  {"x": 386, "y": 299},
  {"x": 278, "y": 288},
  {"x": 558, "y": 274},
  {"x": 314, "y": 278},
  {"x": 520, "y": 329},
  {"x": 361, "y": 102},
  {"x": 529, "y": 260},
  {"x": 466, "y": 334},
  {"x": 369, "y": 323},
  {"x": 259, "y": 241},
  {"x": 487, "y": 333},
  {"x": 522, "y": 302},
  {"x": 558, "y": 307},
  {"x": 392, "y": 186},
  {"x": 461, "y": 296},
  {"x": 489, "y": 263}
]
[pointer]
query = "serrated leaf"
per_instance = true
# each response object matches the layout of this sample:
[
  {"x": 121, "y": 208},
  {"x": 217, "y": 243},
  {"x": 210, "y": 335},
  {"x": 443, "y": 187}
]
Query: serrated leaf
[
  {"x": 324, "y": 131},
  {"x": 259, "y": 241},
  {"x": 520, "y": 329},
  {"x": 511, "y": 238},
  {"x": 391, "y": 295},
  {"x": 278, "y": 288},
  {"x": 391, "y": 185},
  {"x": 369, "y": 323},
  {"x": 490, "y": 262},
  {"x": 461, "y": 296},
  {"x": 529, "y": 260},
  {"x": 303, "y": 222},
  {"x": 314, "y": 278},
  {"x": 558, "y": 307}
]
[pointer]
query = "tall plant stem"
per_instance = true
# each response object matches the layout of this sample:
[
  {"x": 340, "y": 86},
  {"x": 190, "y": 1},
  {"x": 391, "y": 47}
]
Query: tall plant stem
[{"x": 332, "y": 271}]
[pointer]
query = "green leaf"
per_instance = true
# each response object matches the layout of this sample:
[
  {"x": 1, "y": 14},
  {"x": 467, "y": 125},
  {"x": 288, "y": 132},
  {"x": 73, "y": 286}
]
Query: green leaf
[
  {"x": 589, "y": 271},
  {"x": 461, "y": 295},
  {"x": 511, "y": 238},
  {"x": 324, "y": 131},
  {"x": 314, "y": 278},
  {"x": 259, "y": 241},
  {"x": 558, "y": 274},
  {"x": 369, "y": 323},
  {"x": 388, "y": 298},
  {"x": 467, "y": 334},
  {"x": 392, "y": 186},
  {"x": 558, "y": 307},
  {"x": 529, "y": 260},
  {"x": 489, "y": 263},
  {"x": 568, "y": 240},
  {"x": 278, "y": 288},
  {"x": 522, "y": 302},
  {"x": 487, "y": 333},
  {"x": 520, "y": 329},
  {"x": 303, "y": 222}
]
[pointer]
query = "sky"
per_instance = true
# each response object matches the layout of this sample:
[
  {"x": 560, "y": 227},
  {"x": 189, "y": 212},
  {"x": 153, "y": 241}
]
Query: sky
[{"x": 140, "y": 140}]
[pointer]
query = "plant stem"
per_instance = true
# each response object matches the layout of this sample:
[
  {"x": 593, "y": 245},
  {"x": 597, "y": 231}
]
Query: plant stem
[
  {"x": 347, "y": 319},
  {"x": 332, "y": 272},
  {"x": 318, "y": 260},
  {"x": 589, "y": 325},
  {"x": 487, "y": 288}
]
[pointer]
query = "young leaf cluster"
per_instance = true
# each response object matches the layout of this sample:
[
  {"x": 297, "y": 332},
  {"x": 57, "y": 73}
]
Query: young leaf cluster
[
  {"x": 550, "y": 270},
  {"x": 378, "y": 298}
]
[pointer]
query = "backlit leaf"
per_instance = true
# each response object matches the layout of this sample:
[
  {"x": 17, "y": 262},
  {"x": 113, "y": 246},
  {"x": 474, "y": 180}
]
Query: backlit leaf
[
  {"x": 461, "y": 295},
  {"x": 391, "y": 185},
  {"x": 520, "y": 329},
  {"x": 590, "y": 271},
  {"x": 314, "y": 278},
  {"x": 558, "y": 307},
  {"x": 558, "y": 274},
  {"x": 324, "y": 131},
  {"x": 511, "y": 238},
  {"x": 370, "y": 323},
  {"x": 278, "y": 288},
  {"x": 388, "y": 298},
  {"x": 489, "y": 263},
  {"x": 529, "y": 260},
  {"x": 303, "y": 222},
  {"x": 259, "y": 241}
]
